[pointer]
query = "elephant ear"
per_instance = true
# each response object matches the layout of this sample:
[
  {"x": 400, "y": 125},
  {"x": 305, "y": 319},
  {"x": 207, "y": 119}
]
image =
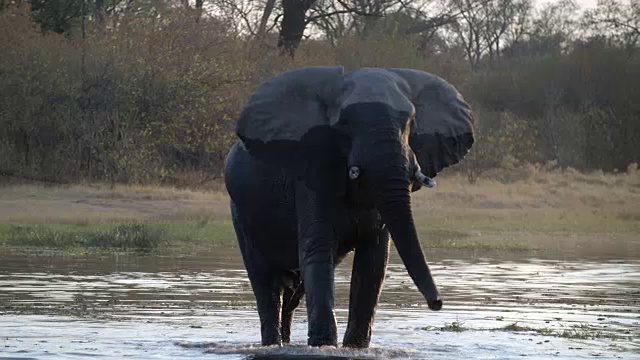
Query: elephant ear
[
  {"x": 442, "y": 132},
  {"x": 286, "y": 121},
  {"x": 288, "y": 105}
]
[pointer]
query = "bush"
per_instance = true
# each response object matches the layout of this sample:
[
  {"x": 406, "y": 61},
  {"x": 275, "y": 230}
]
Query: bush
[
  {"x": 42, "y": 236},
  {"x": 154, "y": 95},
  {"x": 503, "y": 140},
  {"x": 102, "y": 108},
  {"x": 133, "y": 236},
  {"x": 138, "y": 237}
]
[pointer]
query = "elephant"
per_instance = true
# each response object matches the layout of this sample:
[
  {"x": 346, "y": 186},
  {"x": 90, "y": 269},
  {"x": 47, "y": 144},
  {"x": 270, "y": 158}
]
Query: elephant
[{"x": 324, "y": 164}]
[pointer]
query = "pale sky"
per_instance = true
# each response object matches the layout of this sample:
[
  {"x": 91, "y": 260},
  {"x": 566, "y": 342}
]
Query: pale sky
[{"x": 586, "y": 3}]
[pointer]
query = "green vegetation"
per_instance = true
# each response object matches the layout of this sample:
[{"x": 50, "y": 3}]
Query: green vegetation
[
  {"x": 138, "y": 103},
  {"x": 518, "y": 328},
  {"x": 149, "y": 92},
  {"x": 454, "y": 326},
  {"x": 577, "y": 331},
  {"x": 552, "y": 211},
  {"x": 581, "y": 331},
  {"x": 478, "y": 245},
  {"x": 189, "y": 237},
  {"x": 186, "y": 237}
]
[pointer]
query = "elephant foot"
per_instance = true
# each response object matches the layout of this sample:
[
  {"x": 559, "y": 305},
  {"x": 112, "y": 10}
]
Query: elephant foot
[
  {"x": 275, "y": 343},
  {"x": 356, "y": 344},
  {"x": 322, "y": 342},
  {"x": 271, "y": 337},
  {"x": 324, "y": 336},
  {"x": 356, "y": 340},
  {"x": 272, "y": 342},
  {"x": 435, "y": 305}
]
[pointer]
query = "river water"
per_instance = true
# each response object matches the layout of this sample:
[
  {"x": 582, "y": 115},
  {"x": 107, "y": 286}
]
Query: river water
[{"x": 496, "y": 306}]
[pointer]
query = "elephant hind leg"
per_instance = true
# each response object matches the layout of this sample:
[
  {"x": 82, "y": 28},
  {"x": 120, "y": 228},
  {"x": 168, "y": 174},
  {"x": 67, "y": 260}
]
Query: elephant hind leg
[
  {"x": 267, "y": 286},
  {"x": 291, "y": 300}
]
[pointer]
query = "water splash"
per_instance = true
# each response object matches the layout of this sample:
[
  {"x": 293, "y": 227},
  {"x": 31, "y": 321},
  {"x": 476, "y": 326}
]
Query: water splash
[{"x": 255, "y": 352}]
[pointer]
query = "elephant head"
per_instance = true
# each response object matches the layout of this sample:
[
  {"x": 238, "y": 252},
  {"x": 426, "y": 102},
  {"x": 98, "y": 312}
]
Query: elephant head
[{"x": 389, "y": 130}]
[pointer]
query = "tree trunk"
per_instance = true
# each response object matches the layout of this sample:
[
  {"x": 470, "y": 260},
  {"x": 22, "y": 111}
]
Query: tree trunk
[
  {"x": 199, "y": 4},
  {"x": 266, "y": 13},
  {"x": 293, "y": 25},
  {"x": 100, "y": 13}
]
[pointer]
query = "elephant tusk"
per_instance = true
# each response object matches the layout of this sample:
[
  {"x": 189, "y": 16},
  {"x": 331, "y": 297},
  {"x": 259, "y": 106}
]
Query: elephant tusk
[
  {"x": 424, "y": 179},
  {"x": 354, "y": 172}
]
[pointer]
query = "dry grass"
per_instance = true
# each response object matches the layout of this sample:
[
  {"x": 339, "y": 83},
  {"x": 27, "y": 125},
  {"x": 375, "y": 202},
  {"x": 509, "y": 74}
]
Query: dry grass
[
  {"x": 543, "y": 202},
  {"x": 98, "y": 204},
  {"x": 557, "y": 210}
]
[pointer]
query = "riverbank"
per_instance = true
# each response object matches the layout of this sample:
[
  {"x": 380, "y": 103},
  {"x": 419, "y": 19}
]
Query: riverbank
[{"x": 528, "y": 210}]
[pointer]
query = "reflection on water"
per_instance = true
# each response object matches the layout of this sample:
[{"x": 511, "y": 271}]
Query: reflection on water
[{"x": 166, "y": 307}]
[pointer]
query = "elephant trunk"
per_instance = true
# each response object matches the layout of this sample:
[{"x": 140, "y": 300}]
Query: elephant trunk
[
  {"x": 394, "y": 204},
  {"x": 390, "y": 176}
]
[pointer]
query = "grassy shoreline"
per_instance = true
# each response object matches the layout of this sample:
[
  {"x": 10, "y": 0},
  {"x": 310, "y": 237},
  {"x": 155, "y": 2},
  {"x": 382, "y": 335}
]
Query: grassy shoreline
[{"x": 540, "y": 211}]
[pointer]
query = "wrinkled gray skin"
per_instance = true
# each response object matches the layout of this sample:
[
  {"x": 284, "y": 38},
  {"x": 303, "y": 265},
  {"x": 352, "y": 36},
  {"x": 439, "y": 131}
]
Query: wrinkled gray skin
[{"x": 296, "y": 222}]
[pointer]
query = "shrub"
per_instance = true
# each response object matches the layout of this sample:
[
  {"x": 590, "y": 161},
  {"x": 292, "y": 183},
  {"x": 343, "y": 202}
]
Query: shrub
[
  {"x": 102, "y": 108},
  {"x": 133, "y": 236},
  {"x": 42, "y": 236},
  {"x": 151, "y": 94},
  {"x": 138, "y": 237},
  {"x": 503, "y": 140}
]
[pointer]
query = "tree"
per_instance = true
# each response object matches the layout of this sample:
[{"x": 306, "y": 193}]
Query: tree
[
  {"x": 264, "y": 19},
  {"x": 58, "y": 16},
  {"x": 506, "y": 20},
  {"x": 487, "y": 26},
  {"x": 619, "y": 20},
  {"x": 293, "y": 24},
  {"x": 550, "y": 31}
]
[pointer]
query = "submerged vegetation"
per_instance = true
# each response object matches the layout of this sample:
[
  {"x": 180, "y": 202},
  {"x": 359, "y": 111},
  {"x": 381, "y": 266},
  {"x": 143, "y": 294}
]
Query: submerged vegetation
[{"x": 577, "y": 331}]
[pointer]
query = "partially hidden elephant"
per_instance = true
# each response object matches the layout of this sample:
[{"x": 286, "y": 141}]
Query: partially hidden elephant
[{"x": 325, "y": 164}]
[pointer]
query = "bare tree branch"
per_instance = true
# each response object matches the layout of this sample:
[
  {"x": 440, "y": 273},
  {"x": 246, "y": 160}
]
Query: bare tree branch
[{"x": 266, "y": 13}]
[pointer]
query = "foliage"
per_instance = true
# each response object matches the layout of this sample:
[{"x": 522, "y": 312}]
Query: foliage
[
  {"x": 138, "y": 237},
  {"x": 621, "y": 19},
  {"x": 60, "y": 16},
  {"x": 106, "y": 108},
  {"x": 146, "y": 92},
  {"x": 40, "y": 236},
  {"x": 502, "y": 140},
  {"x": 133, "y": 236}
]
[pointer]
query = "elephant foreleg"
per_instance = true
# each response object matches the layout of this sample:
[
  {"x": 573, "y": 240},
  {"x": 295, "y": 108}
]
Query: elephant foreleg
[
  {"x": 317, "y": 247},
  {"x": 269, "y": 301},
  {"x": 369, "y": 268}
]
